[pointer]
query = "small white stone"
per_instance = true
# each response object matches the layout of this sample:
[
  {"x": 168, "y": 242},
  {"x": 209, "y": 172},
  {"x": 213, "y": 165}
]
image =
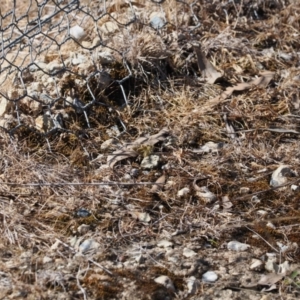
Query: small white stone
[
  {"x": 205, "y": 194},
  {"x": 141, "y": 216},
  {"x": 188, "y": 252},
  {"x": 183, "y": 192},
  {"x": 280, "y": 175},
  {"x": 164, "y": 244},
  {"x": 192, "y": 285},
  {"x": 150, "y": 162},
  {"x": 237, "y": 246},
  {"x": 157, "y": 22},
  {"x": 294, "y": 187},
  {"x": 261, "y": 212},
  {"x": 244, "y": 190},
  {"x": 88, "y": 245},
  {"x": 255, "y": 263},
  {"x": 209, "y": 276},
  {"x": 77, "y": 32},
  {"x": 211, "y": 147},
  {"x": 165, "y": 281},
  {"x": 47, "y": 259}
]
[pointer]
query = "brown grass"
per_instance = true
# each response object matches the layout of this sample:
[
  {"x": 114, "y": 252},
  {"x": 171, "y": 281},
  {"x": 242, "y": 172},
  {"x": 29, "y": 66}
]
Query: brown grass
[{"x": 47, "y": 178}]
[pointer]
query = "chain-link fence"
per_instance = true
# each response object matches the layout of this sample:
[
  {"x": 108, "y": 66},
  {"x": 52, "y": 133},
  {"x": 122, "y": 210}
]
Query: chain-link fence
[
  {"x": 65, "y": 65},
  {"x": 59, "y": 57}
]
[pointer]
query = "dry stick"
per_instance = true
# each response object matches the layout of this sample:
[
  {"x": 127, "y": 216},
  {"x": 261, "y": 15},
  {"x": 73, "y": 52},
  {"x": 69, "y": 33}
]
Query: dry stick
[
  {"x": 261, "y": 238},
  {"x": 82, "y": 183},
  {"x": 268, "y": 190},
  {"x": 79, "y": 285}
]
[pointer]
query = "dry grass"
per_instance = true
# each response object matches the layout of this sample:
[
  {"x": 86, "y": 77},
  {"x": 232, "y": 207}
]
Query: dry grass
[{"x": 42, "y": 191}]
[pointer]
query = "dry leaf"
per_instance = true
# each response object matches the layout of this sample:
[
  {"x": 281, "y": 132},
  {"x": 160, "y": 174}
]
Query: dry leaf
[
  {"x": 129, "y": 150},
  {"x": 270, "y": 279},
  {"x": 261, "y": 81},
  {"x": 208, "y": 71},
  {"x": 159, "y": 183}
]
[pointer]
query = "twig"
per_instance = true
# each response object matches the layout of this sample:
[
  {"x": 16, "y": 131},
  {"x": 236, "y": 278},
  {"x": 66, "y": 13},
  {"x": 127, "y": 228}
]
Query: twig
[
  {"x": 79, "y": 285},
  {"x": 268, "y": 190},
  {"x": 262, "y": 238},
  {"x": 81, "y": 183},
  {"x": 98, "y": 265}
]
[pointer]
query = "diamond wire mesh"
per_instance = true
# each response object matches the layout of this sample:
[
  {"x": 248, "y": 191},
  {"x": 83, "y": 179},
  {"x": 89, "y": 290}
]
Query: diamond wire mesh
[{"x": 45, "y": 43}]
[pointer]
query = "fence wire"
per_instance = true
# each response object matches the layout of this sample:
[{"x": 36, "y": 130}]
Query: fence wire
[{"x": 58, "y": 57}]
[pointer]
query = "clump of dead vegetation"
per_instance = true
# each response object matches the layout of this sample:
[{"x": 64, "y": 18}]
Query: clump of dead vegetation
[{"x": 211, "y": 93}]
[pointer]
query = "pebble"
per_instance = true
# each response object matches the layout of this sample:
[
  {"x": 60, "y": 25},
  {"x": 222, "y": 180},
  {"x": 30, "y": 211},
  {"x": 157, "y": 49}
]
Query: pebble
[
  {"x": 88, "y": 245},
  {"x": 77, "y": 32},
  {"x": 192, "y": 285},
  {"x": 157, "y": 22},
  {"x": 280, "y": 175},
  {"x": 205, "y": 194},
  {"x": 82, "y": 213},
  {"x": 165, "y": 281},
  {"x": 183, "y": 192},
  {"x": 188, "y": 252},
  {"x": 209, "y": 276},
  {"x": 255, "y": 264},
  {"x": 237, "y": 246},
  {"x": 164, "y": 244},
  {"x": 150, "y": 162}
]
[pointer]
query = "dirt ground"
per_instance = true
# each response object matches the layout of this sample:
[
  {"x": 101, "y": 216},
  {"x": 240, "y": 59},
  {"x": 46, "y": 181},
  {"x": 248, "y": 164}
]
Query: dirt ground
[{"x": 150, "y": 150}]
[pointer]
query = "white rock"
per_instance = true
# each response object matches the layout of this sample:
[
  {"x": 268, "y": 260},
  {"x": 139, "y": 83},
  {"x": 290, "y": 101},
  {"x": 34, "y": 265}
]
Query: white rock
[
  {"x": 37, "y": 66},
  {"x": 210, "y": 147},
  {"x": 105, "y": 58},
  {"x": 282, "y": 247},
  {"x": 271, "y": 225},
  {"x": 209, "y": 276},
  {"x": 150, "y": 162},
  {"x": 77, "y": 32},
  {"x": 205, "y": 194},
  {"x": 183, "y": 192},
  {"x": 164, "y": 244},
  {"x": 294, "y": 187},
  {"x": 165, "y": 281},
  {"x": 157, "y": 22},
  {"x": 284, "y": 268},
  {"x": 87, "y": 245},
  {"x": 237, "y": 246},
  {"x": 280, "y": 175},
  {"x": 262, "y": 212},
  {"x": 52, "y": 67},
  {"x": 47, "y": 259},
  {"x": 192, "y": 285},
  {"x": 255, "y": 263},
  {"x": 244, "y": 190},
  {"x": 141, "y": 216},
  {"x": 188, "y": 252}
]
